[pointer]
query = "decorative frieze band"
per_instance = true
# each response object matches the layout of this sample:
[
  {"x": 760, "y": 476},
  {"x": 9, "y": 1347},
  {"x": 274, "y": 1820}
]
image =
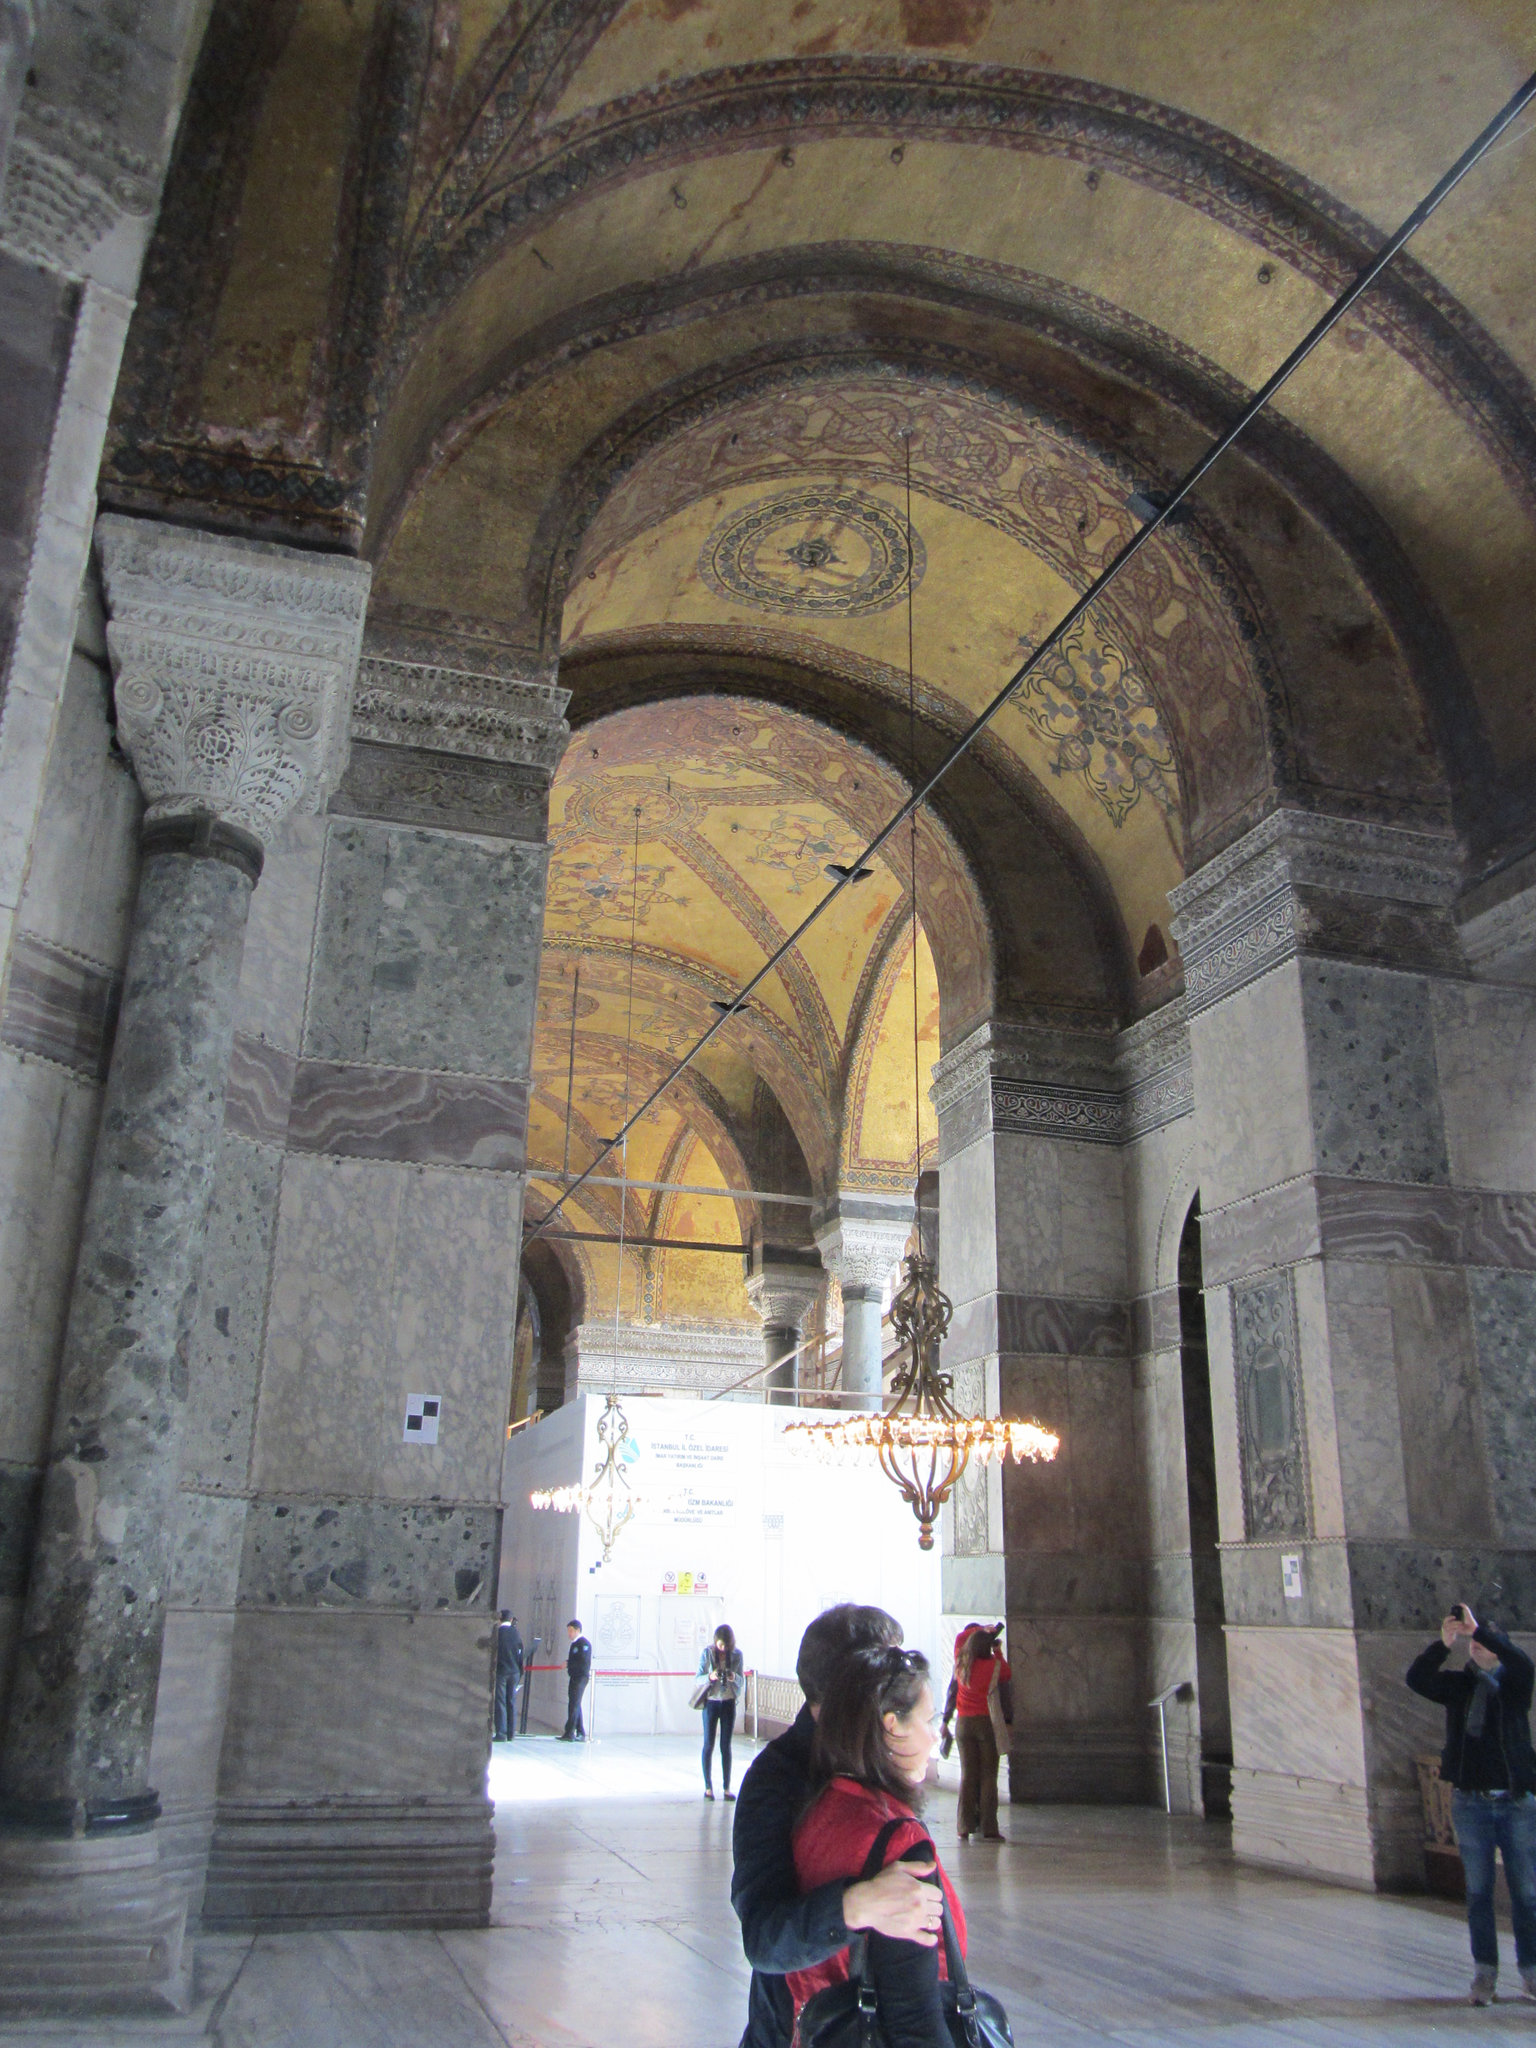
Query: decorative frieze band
[
  {"x": 444, "y": 792},
  {"x": 1296, "y": 881},
  {"x": 450, "y": 711},
  {"x": 1088, "y": 1086}
]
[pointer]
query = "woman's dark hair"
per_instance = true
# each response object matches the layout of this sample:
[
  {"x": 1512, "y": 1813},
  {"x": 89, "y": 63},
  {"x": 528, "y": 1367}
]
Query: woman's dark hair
[
  {"x": 727, "y": 1635},
  {"x": 864, "y": 1685},
  {"x": 979, "y": 1642}
]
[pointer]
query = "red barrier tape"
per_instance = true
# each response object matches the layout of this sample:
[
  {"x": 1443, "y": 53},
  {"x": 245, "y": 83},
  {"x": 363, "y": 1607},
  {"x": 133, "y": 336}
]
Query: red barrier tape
[{"x": 617, "y": 1674}]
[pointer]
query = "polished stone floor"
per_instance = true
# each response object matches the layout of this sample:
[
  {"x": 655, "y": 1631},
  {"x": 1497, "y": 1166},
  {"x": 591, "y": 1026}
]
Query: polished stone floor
[{"x": 613, "y": 1929}]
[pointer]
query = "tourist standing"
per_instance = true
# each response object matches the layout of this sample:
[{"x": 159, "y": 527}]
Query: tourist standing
[
  {"x": 981, "y": 1702},
  {"x": 874, "y": 1737},
  {"x": 578, "y": 1669},
  {"x": 720, "y": 1673},
  {"x": 509, "y": 1673},
  {"x": 1487, "y": 1758}
]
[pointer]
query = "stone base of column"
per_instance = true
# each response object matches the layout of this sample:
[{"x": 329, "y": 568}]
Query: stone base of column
[
  {"x": 91, "y": 1924},
  {"x": 1074, "y": 1766},
  {"x": 1311, "y": 1825},
  {"x": 382, "y": 1863}
]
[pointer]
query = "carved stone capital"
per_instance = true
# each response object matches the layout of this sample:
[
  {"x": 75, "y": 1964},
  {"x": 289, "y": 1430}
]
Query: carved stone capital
[
  {"x": 71, "y": 188},
  {"x": 234, "y": 663},
  {"x": 785, "y": 1295},
  {"x": 1302, "y": 883},
  {"x": 861, "y": 1245}
]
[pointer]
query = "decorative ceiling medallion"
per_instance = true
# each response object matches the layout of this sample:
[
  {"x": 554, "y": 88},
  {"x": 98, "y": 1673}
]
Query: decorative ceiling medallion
[{"x": 826, "y": 553}]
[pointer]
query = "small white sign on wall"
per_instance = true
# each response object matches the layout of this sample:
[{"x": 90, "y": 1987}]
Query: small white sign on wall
[
  {"x": 1290, "y": 1574},
  {"x": 421, "y": 1415}
]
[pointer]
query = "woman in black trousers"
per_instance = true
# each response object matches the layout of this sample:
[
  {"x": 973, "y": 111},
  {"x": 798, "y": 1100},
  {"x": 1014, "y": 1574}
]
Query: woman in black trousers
[{"x": 720, "y": 1688}]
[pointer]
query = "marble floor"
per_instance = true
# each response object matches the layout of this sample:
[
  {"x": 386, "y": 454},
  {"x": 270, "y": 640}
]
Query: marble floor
[{"x": 612, "y": 1925}]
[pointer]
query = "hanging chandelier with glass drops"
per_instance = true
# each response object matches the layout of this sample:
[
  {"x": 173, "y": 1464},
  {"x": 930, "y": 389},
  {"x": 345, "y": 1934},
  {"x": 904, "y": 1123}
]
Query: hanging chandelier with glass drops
[
  {"x": 922, "y": 1441},
  {"x": 609, "y": 1501}
]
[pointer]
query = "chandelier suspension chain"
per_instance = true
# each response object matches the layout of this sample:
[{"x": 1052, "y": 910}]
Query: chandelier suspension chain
[{"x": 1162, "y": 511}]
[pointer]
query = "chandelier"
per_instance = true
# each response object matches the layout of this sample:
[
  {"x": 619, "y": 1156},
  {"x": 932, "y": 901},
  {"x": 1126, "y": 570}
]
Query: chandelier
[
  {"x": 922, "y": 1441},
  {"x": 608, "y": 1502}
]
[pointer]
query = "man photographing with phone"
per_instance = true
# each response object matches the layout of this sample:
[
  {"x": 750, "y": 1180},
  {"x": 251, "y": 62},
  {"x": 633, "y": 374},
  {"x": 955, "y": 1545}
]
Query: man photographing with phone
[{"x": 1487, "y": 1758}]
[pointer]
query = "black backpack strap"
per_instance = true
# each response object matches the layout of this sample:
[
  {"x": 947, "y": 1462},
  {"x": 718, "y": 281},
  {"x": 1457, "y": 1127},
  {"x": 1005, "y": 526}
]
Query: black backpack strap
[{"x": 954, "y": 1962}]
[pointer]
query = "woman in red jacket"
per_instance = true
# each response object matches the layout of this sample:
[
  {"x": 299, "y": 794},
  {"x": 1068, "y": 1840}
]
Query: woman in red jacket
[{"x": 874, "y": 1736}]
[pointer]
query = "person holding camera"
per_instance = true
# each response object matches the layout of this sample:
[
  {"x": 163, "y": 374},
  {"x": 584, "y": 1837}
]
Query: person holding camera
[{"x": 1487, "y": 1758}]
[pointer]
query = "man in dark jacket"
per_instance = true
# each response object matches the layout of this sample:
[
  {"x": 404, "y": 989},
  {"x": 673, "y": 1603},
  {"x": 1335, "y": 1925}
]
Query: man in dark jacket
[
  {"x": 781, "y": 1928},
  {"x": 1487, "y": 1758},
  {"x": 509, "y": 1672},
  {"x": 578, "y": 1669}
]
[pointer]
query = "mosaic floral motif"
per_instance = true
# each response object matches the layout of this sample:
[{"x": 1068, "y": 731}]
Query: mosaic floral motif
[
  {"x": 590, "y": 887},
  {"x": 799, "y": 849},
  {"x": 817, "y": 554},
  {"x": 1085, "y": 701}
]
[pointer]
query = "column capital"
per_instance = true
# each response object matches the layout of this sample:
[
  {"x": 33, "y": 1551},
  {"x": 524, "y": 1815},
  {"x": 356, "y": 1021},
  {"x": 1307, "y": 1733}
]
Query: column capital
[
  {"x": 234, "y": 663},
  {"x": 1298, "y": 883},
  {"x": 861, "y": 1239},
  {"x": 784, "y": 1286}
]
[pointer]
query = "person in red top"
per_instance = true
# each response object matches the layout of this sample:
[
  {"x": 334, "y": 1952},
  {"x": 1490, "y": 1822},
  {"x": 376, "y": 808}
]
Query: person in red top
[
  {"x": 874, "y": 1737},
  {"x": 979, "y": 1666}
]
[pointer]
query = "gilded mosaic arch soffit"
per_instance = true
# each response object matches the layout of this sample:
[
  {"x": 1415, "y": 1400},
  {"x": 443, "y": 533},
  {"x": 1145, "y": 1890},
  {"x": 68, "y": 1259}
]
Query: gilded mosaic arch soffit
[{"x": 1104, "y": 128}]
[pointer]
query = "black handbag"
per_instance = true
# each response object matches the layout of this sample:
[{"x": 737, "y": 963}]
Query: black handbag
[{"x": 847, "y": 2015}]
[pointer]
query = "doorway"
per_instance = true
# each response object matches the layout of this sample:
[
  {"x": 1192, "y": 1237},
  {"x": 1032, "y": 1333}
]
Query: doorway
[{"x": 1212, "y": 1704}]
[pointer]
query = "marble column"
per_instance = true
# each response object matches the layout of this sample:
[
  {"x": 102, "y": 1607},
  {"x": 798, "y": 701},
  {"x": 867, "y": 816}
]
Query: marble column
[
  {"x": 1031, "y": 1121},
  {"x": 1366, "y": 1143},
  {"x": 233, "y": 665},
  {"x": 861, "y": 1239},
  {"x": 784, "y": 1286},
  {"x": 389, "y": 1112}
]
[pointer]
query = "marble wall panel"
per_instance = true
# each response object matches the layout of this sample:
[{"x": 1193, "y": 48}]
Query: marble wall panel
[
  {"x": 60, "y": 1007},
  {"x": 1253, "y": 1120},
  {"x": 427, "y": 951},
  {"x": 280, "y": 936},
  {"x": 1398, "y": 1726},
  {"x": 1160, "y": 1446},
  {"x": 1042, "y": 1583},
  {"x": 394, "y": 1113},
  {"x": 37, "y": 314},
  {"x": 967, "y": 1204},
  {"x": 974, "y": 1586},
  {"x": 225, "y": 1354},
  {"x": 205, "y": 1563},
  {"x": 350, "y": 1554},
  {"x": 1278, "y": 1227},
  {"x": 1253, "y": 1588},
  {"x": 352, "y": 1707},
  {"x": 1108, "y": 1487},
  {"x": 1037, "y": 1499},
  {"x": 347, "y": 927},
  {"x": 1410, "y": 1586},
  {"x": 1426, "y": 1225},
  {"x": 20, "y": 1490},
  {"x": 84, "y": 866},
  {"x": 1365, "y": 1405},
  {"x": 1060, "y": 1218},
  {"x": 1296, "y": 1703},
  {"x": 1504, "y": 1332},
  {"x": 190, "y": 1706},
  {"x": 1374, "y": 1085},
  {"x": 388, "y": 1280},
  {"x": 1325, "y": 1470},
  {"x": 1224, "y": 1433},
  {"x": 1171, "y": 1587},
  {"x": 259, "y": 1091},
  {"x": 1485, "y": 1060},
  {"x": 1080, "y": 1718},
  {"x": 1159, "y": 1181},
  {"x": 1444, "y": 1459},
  {"x": 48, "y": 1121}
]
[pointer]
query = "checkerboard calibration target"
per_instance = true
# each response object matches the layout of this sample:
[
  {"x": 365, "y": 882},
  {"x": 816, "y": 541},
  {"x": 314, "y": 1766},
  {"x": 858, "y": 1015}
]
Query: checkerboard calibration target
[{"x": 421, "y": 1418}]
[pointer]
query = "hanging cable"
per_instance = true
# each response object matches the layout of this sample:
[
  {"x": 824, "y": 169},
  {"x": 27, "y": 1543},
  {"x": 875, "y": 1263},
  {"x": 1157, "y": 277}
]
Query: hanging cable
[{"x": 1161, "y": 511}]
